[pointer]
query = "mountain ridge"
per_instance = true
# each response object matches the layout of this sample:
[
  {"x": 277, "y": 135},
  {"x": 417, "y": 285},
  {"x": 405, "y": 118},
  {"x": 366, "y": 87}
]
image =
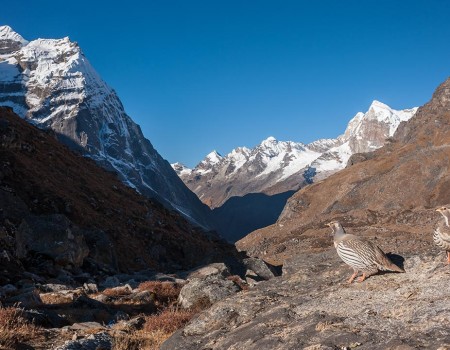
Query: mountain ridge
[
  {"x": 277, "y": 166},
  {"x": 50, "y": 83}
]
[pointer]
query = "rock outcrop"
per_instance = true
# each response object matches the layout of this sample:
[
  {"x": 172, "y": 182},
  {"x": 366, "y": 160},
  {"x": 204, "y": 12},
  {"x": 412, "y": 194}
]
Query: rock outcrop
[
  {"x": 203, "y": 292},
  {"x": 311, "y": 307},
  {"x": 53, "y": 236}
]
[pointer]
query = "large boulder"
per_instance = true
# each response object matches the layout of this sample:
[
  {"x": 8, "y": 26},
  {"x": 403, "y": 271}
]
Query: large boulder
[
  {"x": 53, "y": 236},
  {"x": 207, "y": 285},
  {"x": 258, "y": 270},
  {"x": 92, "y": 342}
]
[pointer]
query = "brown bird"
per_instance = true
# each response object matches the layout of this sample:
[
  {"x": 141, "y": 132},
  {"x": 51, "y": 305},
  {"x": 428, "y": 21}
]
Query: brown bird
[
  {"x": 441, "y": 234},
  {"x": 360, "y": 254}
]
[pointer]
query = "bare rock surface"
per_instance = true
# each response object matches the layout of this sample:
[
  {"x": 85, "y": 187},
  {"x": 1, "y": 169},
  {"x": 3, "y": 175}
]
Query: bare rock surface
[
  {"x": 206, "y": 286},
  {"x": 93, "y": 342},
  {"x": 311, "y": 307}
]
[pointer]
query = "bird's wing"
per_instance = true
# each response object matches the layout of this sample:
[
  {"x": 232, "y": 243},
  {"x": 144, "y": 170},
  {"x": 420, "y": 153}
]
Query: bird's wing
[
  {"x": 371, "y": 254},
  {"x": 361, "y": 247},
  {"x": 444, "y": 232}
]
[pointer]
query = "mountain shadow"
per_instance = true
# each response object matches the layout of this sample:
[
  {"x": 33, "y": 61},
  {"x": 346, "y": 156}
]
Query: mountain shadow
[{"x": 239, "y": 216}]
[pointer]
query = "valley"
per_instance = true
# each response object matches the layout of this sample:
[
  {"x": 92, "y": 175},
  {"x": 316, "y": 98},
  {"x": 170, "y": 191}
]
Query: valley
[{"x": 106, "y": 245}]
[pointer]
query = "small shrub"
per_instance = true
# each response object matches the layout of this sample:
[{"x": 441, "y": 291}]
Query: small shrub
[
  {"x": 165, "y": 292},
  {"x": 116, "y": 292},
  {"x": 168, "y": 321},
  {"x": 56, "y": 298},
  {"x": 139, "y": 340},
  {"x": 15, "y": 328}
]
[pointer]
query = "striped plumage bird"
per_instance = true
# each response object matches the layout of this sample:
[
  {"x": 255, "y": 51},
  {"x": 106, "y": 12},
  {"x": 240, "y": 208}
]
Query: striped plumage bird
[
  {"x": 360, "y": 254},
  {"x": 441, "y": 234}
]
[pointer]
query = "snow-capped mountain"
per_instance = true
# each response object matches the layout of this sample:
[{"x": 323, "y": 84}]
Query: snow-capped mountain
[
  {"x": 50, "y": 83},
  {"x": 277, "y": 166}
]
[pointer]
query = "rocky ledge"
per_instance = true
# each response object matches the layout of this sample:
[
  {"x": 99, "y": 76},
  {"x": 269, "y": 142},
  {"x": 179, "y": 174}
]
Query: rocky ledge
[{"x": 312, "y": 307}]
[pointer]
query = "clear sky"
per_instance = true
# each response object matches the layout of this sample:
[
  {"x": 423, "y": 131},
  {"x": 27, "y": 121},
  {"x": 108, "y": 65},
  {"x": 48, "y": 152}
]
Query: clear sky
[{"x": 217, "y": 74}]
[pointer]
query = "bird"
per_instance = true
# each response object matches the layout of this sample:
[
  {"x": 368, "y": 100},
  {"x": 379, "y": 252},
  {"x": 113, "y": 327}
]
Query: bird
[
  {"x": 441, "y": 234},
  {"x": 360, "y": 254}
]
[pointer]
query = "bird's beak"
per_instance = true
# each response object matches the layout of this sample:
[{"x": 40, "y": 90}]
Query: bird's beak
[
  {"x": 439, "y": 209},
  {"x": 328, "y": 224}
]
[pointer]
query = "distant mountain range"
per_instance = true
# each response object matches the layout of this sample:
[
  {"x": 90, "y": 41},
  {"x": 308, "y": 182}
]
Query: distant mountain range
[
  {"x": 275, "y": 167},
  {"x": 50, "y": 83}
]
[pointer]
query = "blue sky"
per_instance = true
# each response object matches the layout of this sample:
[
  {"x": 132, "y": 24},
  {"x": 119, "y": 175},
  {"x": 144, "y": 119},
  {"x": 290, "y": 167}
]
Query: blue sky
[{"x": 204, "y": 75}]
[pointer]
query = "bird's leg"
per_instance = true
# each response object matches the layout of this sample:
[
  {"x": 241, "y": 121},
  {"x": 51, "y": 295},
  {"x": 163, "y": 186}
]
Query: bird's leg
[
  {"x": 362, "y": 278},
  {"x": 355, "y": 273},
  {"x": 448, "y": 258}
]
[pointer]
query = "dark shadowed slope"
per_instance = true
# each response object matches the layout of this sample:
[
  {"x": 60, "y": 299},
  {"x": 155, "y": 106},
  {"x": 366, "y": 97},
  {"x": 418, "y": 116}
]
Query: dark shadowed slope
[
  {"x": 239, "y": 216},
  {"x": 41, "y": 178}
]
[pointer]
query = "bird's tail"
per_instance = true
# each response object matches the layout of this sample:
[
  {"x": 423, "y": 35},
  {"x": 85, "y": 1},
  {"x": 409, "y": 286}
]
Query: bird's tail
[
  {"x": 386, "y": 263},
  {"x": 392, "y": 267}
]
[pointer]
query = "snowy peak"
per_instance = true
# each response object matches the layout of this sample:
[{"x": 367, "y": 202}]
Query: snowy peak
[
  {"x": 384, "y": 113},
  {"x": 181, "y": 169},
  {"x": 275, "y": 166},
  {"x": 377, "y": 105},
  {"x": 7, "y": 33},
  {"x": 269, "y": 141},
  {"x": 272, "y": 147},
  {"x": 378, "y": 123},
  {"x": 10, "y": 41},
  {"x": 50, "y": 83},
  {"x": 322, "y": 145},
  {"x": 213, "y": 158}
]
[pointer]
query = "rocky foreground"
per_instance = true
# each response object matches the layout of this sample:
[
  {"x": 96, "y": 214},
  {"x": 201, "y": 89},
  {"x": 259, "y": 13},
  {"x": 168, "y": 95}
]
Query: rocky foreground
[{"x": 312, "y": 307}]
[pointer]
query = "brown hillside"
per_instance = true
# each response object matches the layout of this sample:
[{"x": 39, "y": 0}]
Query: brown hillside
[
  {"x": 390, "y": 194},
  {"x": 39, "y": 177}
]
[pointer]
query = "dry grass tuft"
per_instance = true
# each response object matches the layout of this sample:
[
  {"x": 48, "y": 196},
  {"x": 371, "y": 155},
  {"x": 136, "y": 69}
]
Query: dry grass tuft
[
  {"x": 158, "y": 327},
  {"x": 168, "y": 321},
  {"x": 116, "y": 292},
  {"x": 15, "y": 328},
  {"x": 56, "y": 298},
  {"x": 139, "y": 340},
  {"x": 166, "y": 292}
]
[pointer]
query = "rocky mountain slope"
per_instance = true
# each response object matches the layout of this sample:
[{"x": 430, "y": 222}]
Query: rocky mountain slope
[
  {"x": 249, "y": 187},
  {"x": 389, "y": 196},
  {"x": 51, "y": 84},
  {"x": 277, "y": 166},
  {"x": 395, "y": 185},
  {"x": 61, "y": 210}
]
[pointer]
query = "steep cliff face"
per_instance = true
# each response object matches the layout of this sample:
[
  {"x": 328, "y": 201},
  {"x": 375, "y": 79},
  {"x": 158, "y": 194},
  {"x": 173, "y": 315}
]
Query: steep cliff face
[
  {"x": 275, "y": 167},
  {"x": 51, "y": 84}
]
